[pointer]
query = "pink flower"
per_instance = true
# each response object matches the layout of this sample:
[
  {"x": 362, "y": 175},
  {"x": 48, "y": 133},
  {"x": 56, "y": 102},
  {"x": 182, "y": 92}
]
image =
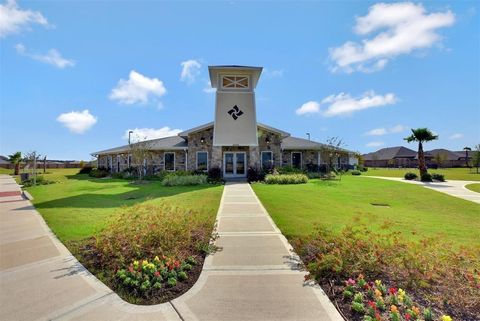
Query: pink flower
[
  {"x": 407, "y": 316},
  {"x": 157, "y": 274},
  {"x": 351, "y": 282}
]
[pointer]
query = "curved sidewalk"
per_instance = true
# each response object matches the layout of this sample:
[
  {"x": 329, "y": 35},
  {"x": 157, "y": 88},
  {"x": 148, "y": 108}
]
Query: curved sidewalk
[
  {"x": 453, "y": 188},
  {"x": 254, "y": 275}
]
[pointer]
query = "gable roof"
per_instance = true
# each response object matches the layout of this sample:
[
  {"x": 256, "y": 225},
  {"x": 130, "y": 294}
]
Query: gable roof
[
  {"x": 391, "y": 153},
  {"x": 211, "y": 124},
  {"x": 172, "y": 142},
  {"x": 448, "y": 154}
]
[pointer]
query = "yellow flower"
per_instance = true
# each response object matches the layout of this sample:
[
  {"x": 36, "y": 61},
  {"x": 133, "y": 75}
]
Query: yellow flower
[
  {"x": 135, "y": 263},
  {"x": 446, "y": 318},
  {"x": 416, "y": 310},
  {"x": 393, "y": 309},
  {"x": 401, "y": 294},
  {"x": 156, "y": 259},
  {"x": 144, "y": 262},
  {"x": 378, "y": 282},
  {"x": 378, "y": 294}
]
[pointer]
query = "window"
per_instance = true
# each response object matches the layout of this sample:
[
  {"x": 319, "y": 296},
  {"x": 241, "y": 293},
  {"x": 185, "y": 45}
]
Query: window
[
  {"x": 202, "y": 161},
  {"x": 267, "y": 160},
  {"x": 169, "y": 161},
  {"x": 235, "y": 81},
  {"x": 297, "y": 160}
]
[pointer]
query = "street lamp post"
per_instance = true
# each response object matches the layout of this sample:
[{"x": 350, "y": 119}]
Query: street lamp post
[
  {"x": 308, "y": 134},
  {"x": 129, "y": 133}
]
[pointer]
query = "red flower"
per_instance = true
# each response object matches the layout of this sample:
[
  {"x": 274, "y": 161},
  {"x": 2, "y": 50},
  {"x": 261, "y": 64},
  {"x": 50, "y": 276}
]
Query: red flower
[
  {"x": 157, "y": 274},
  {"x": 378, "y": 317},
  {"x": 407, "y": 316},
  {"x": 130, "y": 269},
  {"x": 372, "y": 304},
  {"x": 392, "y": 291},
  {"x": 177, "y": 263}
]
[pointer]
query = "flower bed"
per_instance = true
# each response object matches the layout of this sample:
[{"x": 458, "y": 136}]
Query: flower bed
[{"x": 375, "y": 301}]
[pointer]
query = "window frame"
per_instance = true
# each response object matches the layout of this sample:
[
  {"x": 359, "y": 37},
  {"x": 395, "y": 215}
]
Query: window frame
[
  {"x": 196, "y": 159},
  {"x": 271, "y": 158},
  {"x": 291, "y": 159},
  {"x": 235, "y": 82},
  {"x": 165, "y": 161}
]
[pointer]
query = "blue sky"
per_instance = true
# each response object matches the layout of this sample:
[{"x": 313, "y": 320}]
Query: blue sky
[{"x": 76, "y": 75}]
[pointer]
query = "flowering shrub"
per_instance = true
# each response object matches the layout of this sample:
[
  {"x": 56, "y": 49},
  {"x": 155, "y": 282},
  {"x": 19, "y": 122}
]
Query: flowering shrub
[
  {"x": 374, "y": 301},
  {"x": 184, "y": 180},
  {"x": 145, "y": 278},
  {"x": 445, "y": 275}
]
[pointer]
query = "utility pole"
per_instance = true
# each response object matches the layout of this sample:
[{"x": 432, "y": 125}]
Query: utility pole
[{"x": 129, "y": 133}]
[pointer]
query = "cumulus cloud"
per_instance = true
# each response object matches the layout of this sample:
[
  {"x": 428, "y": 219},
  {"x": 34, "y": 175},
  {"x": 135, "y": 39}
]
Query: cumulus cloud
[
  {"x": 384, "y": 131},
  {"x": 208, "y": 88},
  {"x": 456, "y": 136},
  {"x": 52, "y": 57},
  {"x": 190, "y": 71},
  {"x": 140, "y": 134},
  {"x": 274, "y": 73},
  {"x": 375, "y": 144},
  {"x": 77, "y": 122},
  {"x": 13, "y": 19},
  {"x": 396, "y": 29},
  {"x": 137, "y": 89},
  {"x": 343, "y": 104},
  {"x": 310, "y": 107}
]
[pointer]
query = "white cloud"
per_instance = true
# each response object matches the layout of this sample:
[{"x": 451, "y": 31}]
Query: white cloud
[
  {"x": 273, "y": 73},
  {"x": 310, "y": 107},
  {"x": 375, "y": 144},
  {"x": 52, "y": 57},
  {"x": 456, "y": 136},
  {"x": 140, "y": 134},
  {"x": 208, "y": 88},
  {"x": 77, "y": 121},
  {"x": 190, "y": 70},
  {"x": 384, "y": 131},
  {"x": 376, "y": 132},
  {"x": 137, "y": 89},
  {"x": 401, "y": 28},
  {"x": 13, "y": 19}
]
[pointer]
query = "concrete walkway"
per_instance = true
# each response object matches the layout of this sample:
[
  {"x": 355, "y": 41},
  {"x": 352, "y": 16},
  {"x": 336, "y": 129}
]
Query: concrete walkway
[
  {"x": 452, "y": 188},
  {"x": 254, "y": 276}
]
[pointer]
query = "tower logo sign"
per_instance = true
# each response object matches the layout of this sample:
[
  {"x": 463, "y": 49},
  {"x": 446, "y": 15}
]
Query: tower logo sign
[{"x": 235, "y": 112}]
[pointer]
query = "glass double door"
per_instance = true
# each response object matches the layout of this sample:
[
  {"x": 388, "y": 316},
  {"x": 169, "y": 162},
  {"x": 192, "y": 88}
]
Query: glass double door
[{"x": 234, "y": 164}]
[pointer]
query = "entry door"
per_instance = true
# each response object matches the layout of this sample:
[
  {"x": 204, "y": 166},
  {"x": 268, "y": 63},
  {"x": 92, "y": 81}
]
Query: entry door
[{"x": 234, "y": 164}]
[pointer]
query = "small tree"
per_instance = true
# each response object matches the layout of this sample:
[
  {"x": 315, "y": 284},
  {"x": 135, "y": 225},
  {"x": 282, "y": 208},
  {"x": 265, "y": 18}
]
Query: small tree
[
  {"x": 421, "y": 135},
  {"x": 476, "y": 157},
  {"x": 141, "y": 154},
  {"x": 440, "y": 158},
  {"x": 331, "y": 150},
  {"x": 467, "y": 149},
  {"x": 15, "y": 159},
  {"x": 31, "y": 159}
]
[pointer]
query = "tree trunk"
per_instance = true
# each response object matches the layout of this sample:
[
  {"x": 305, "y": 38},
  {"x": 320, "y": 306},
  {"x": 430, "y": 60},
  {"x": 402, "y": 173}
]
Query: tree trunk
[
  {"x": 16, "y": 169},
  {"x": 421, "y": 160},
  {"x": 466, "y": 158}
]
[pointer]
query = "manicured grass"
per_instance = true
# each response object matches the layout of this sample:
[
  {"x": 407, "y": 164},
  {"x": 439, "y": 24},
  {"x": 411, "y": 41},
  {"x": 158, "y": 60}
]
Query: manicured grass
[
  {"x": 77, "y": 206},
  {"x": 474, "y": 187},
  {"x": 463, "y": 174},
  {"x": 414, "y": 210}
]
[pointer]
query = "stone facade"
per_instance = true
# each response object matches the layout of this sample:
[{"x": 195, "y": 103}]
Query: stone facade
[{"x": 202, "y": 141}]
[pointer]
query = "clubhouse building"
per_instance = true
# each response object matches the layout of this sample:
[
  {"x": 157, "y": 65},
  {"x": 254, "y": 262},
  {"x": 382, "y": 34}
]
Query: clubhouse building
[{"x": 233, "y": 142}]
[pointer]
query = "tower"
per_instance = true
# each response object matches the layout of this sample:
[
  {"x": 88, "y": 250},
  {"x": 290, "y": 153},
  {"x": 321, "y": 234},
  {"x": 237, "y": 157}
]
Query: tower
[{"x": 235, "y": 112}]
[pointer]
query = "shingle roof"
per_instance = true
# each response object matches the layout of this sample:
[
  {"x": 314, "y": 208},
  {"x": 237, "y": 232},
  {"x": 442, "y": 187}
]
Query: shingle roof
[
  {"x": 296, "y": 143},
  {"x": 391, "y": 153},
  {"x": 450, "y": 155},
  {"x": 172, "y": 142},
  {"x": 185, "y": 133}
]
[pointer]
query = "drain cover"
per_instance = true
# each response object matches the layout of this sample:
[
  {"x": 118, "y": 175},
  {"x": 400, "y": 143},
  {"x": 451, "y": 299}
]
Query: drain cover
[{"x": 380, "y": 204}]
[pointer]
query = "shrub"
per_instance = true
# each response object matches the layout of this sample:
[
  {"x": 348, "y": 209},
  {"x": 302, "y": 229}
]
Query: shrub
[
  {"x": 410, "y": 176},
  {"x": 98, "y": 172},
  {"x": 356, "y": 173},
  {"x": 182, "y": 180},
  {"x": 255, "y": 175},
  {"x": 431, "y": 267},
  {"x": 117, "y": 175},
  {"x": 85, "y": 170},
  {"x": 426, "y": 177},
  {"x": 312, "y": 175},
  {"x": 147, "y": 230},
  {"x": 438, "y": 177},
  {"x": 286, "y": 179},
  {"x": 289, "y": 170},
  {"x": 215, "y": 175},
  {"x": 40, "y": 180}
]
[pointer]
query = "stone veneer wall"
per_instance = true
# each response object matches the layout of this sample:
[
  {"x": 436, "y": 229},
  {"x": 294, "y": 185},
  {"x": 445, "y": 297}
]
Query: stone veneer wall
[
  {"x": 274, "y": 146},
  {"x": 308, "y": 157},
  {"x": 195, "y": 145}
]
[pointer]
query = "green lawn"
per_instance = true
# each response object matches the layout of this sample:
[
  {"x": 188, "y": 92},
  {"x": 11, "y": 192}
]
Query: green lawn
[
  {"x": 474, "y": 187},
  {"x": 77, "y": 206},
  {"x": 414, "y": 210},
  {"x": 464, "y": 174}
]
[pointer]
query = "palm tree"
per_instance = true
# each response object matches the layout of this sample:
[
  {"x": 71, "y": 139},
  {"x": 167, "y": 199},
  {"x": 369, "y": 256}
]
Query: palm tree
[
  {"x": 421, "y": 135},
  {"x": 15, "y": 159},
  {"x": 466, "y": 149}
]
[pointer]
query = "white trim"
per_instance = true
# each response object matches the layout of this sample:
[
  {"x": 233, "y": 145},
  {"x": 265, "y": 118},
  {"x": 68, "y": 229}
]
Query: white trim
[
  {"x": 301, "y": 158},
  {"x": 221, "y": 76},
  {"x": 164, "y": 162},
  {"x": 234, "y": 174},
  {"x": 271, "y": 158},
  {"x": 196, "y": 159}
]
